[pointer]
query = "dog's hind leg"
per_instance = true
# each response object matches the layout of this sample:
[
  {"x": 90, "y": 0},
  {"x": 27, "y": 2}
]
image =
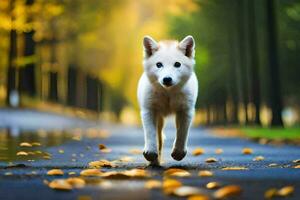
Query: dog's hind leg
[{"x": 160, "y": 137}]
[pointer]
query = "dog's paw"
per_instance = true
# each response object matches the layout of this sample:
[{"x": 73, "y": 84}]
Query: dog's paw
[
  {"x": 150, "y": 156},
  {"x": 178, "y": 154}
]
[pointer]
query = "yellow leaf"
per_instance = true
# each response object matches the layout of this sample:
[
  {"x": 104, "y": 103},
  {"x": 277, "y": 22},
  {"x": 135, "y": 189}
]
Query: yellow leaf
[
  {"x": 55, "y": 172},
  {"x": 91, "y": 172},
  {"x": 153, "y": 184},
  {"x": 247, "y": 151},
  {"x": 176, "y": 172},
  {"x": 211, "y": 160},
  {"x": 25, "y": 144},
  {"x": 60, "y": 184},
  {"x": 205, "y": 173},
  {"x": 198, "y": 151},
  {"x": 212, "y": 185},
  {"x": 227, "y": 191}
]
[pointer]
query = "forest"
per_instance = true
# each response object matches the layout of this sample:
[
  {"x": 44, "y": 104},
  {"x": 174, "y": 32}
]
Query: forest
[{"x": 88, "y": 55}]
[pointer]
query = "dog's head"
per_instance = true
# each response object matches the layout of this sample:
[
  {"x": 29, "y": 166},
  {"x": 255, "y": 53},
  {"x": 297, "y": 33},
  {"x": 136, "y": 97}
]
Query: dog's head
[{"x": 169, "y": 63}]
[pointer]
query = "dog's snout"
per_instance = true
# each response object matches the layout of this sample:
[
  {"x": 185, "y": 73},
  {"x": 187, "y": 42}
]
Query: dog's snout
[{"x": 167, "y": 81}]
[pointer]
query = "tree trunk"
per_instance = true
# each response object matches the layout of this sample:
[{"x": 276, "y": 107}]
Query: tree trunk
[
  {"x": 275, "y": 91},
  {"x": 255, "y": 81},
  {"x": 27, "y": 73},
  {"x": 12, "y": 54}
]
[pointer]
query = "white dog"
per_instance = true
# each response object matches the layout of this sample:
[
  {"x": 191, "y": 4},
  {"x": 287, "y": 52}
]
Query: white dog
[{"x": 167, "y": 86}]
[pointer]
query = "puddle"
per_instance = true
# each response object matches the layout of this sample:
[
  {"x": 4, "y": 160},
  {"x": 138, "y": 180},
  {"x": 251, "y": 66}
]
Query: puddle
[{"x": 10, "y": 141}]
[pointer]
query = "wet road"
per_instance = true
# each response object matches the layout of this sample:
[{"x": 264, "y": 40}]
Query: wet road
[{"x": 22, "y": 177}]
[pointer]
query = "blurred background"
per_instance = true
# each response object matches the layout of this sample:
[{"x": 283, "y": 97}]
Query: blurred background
[{"x": 84, "y": 58}]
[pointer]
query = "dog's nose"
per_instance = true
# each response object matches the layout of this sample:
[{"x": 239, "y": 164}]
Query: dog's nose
[{"x": 167, "y": 81}]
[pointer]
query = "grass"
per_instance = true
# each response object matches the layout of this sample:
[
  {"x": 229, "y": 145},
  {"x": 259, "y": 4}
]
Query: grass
[{"x": 272, "y": 133}]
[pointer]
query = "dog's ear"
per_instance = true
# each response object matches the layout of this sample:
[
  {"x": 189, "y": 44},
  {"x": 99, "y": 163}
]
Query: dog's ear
[
  {"x": 187, "y": 46},
  {"x": 150, "y": 46}
]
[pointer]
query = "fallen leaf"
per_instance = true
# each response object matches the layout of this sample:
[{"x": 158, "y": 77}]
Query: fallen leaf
[
  {"x": 153, "y": 184},
  {"x": 72, "y": 173},
  {"x": 25, "y": 144},
  {"x": 126, "y": 159},
  {"x": 106, "y": 150},
  {"x": 76, "y": 182},
  {"x": 8, "y": 173},
  {"x": 176, "y": 172},
  {"x": 101, "y": 163},
  {"x": 91, "y": 172},
  {"x": 212, "y": 185},
  {"x": 258, "y": 158},
  {"x": 61, "y": 151},
  {"x": 211, "y": 160},
  {"x": 270, "y": 193},
  {"x": 205, "y": 173},
  {"x": 102, "y": 146},
  {"x": 36, "y": 144},
  {"x": 135, "y": 151},
  {"x": 296, "y": 161},
  {"x": 55, "y": 172},
  {"x": 227, "y": 191},
  {"x": 273, "y": 165},
  {"x": 185, "y": 191},
  {"x": 219, "y": 151},
  {"x": 297, "y": 166},
  {"x": 133, "y": 173},
  {"x": 198, "y": 151},
  {"x": 198, "y": 197},
  {"x": 60, "y": 184},
  {"x": 22, "y": 153},
  {"x": 235, "y": 168},
  {"x": 169, "y": 185},
  {"x": 286, "y": 191},
  {"x": 247, "y": 151}
]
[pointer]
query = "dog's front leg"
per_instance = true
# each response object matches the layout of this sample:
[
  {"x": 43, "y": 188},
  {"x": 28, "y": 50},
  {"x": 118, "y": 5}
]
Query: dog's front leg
[
  {"x": 183, "y": 123},
  {"x": 149, "y": 124}
]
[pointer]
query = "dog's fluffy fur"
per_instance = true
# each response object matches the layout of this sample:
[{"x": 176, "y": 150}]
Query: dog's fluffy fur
[{"x": 159, "y": 97}]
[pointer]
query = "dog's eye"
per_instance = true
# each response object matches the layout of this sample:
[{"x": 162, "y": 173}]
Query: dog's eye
[
  {"x": 177, "y": 64},
  {"x": 159, "y": 65}
]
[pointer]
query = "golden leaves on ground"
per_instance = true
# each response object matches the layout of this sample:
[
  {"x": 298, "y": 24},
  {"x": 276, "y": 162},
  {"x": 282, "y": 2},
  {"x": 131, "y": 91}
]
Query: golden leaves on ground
[
  {"x": 90, "y": 172},
  {"x": 212, "y": 185},
  {"x": 285, "y": 191},
  {"x": 153, "y": 184},
  {"x": 219, "y": 151},
  {"x": 55, "y": 172},
  {"x": 126, "y": 159},
  {"x": 22, "y": 153},
  {"x": 101, "y": 163},
  {"x": 198, "y": 151},
  {"x": 177, "y": 172},
  {"x": 185, "y": 191},
  {"x": 282, "y": 192},
  {"x": 133, "y": 173},
  {"x": 258, "y": 158},
  {"x": 60, "y": 184},
  {"x": 247, "y": 151},
  {"x": 76, "y": 182},
  {"x": 198, "y": 197},
  {"x": 205, "y": 173},
  {"x": 135, "y": 151},
  {"x": 235, "y": 168},
  {"x": 211, "y": 160},
  {"x": 25, "y": 144},
  {"x": 67, "y": 184},
  {"x": 227, "y": 191},
  {"x": 104, "y": 149},
  {"x": 270, "y": 193},
  {"x": 169, "y": 185}
]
